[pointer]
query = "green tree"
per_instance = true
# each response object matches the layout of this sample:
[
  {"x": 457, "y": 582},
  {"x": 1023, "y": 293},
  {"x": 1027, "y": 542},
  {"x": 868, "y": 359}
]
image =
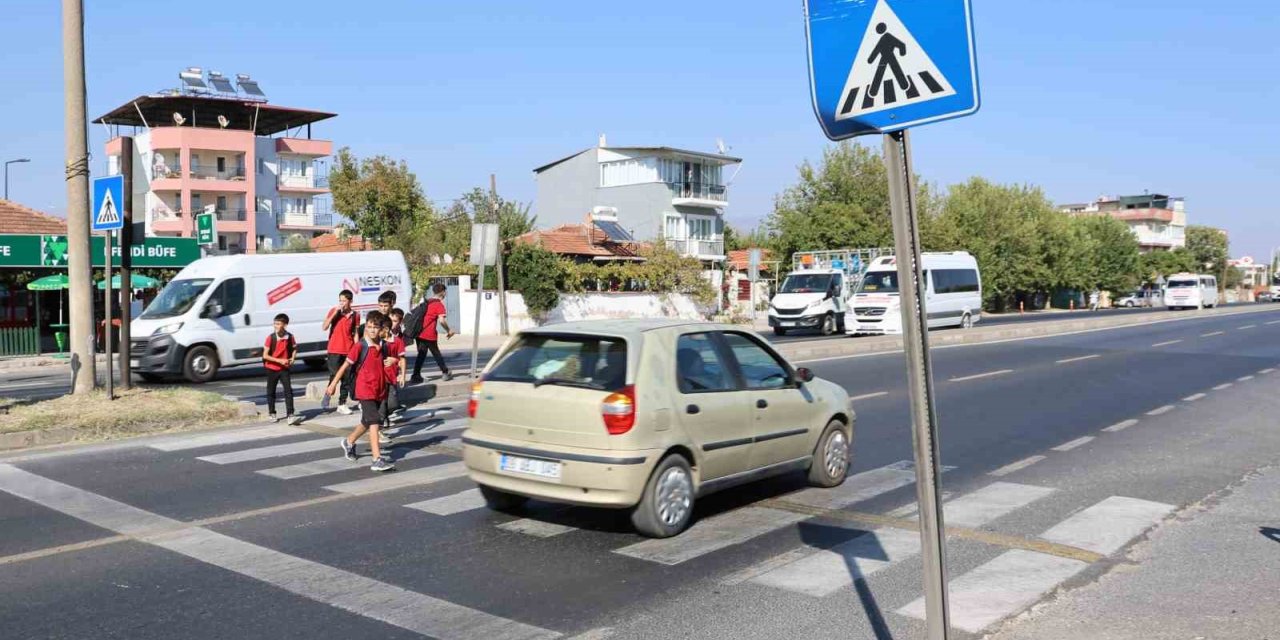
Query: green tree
[
  {"x": 295, "y": 244},
  {"x": 379, "y": 195},
  {"x": 1113, "y": 253},
  {"x": 534, "y": 272},
  {"x": 842, "y": 202},
  {"x": 477, "y": 205},
  {"x": 1157, "y": 264},
  {"x": 1209, "y": 248}
]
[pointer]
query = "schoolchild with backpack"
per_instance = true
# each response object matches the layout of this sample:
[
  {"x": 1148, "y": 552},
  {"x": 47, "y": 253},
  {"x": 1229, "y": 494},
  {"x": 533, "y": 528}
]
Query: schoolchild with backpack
[
  {"x": 278, "y": 354},
  {"x": 343, "y": 324},
  {"x": 367, "y": 363}
]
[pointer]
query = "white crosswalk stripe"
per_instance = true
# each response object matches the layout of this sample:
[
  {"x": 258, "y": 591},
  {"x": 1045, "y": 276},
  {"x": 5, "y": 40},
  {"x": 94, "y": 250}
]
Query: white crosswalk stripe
[
  {"x": 1106, "y": 527},
  {"x": 451, "y": 504},
  {"x": 227, "y": 437},
  {"x": 536, "y": 528},
  {"x": 401, "y": 479},
  {"x": 859, "y": 487},
  {"x": 274, "y": 451},
  {"x": 825, "y": 572},
  {"x": 334, "y": 464}
]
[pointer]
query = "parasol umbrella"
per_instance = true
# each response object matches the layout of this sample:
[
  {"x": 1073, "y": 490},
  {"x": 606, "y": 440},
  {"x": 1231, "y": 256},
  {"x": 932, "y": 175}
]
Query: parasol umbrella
[
  {"x": 137, "y": 282},
  {"x": 49, "y": 283}
]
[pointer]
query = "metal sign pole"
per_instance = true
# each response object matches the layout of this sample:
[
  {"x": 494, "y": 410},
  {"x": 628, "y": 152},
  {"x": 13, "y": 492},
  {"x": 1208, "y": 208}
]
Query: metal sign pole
[
  {"x": 475, "y": 336},
  {"x": 106, "y": 328},
  {"x": 924, "y": 419}
]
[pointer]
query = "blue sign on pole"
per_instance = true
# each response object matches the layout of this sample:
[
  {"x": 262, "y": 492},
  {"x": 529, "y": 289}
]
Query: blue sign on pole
[
  {"x": 879, "y": 66},
  {"x": 108, "y": 198}
]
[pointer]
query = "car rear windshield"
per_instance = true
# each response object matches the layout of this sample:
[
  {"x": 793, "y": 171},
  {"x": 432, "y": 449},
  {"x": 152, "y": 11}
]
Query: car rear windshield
[
  {"x": 591, "y": 362},
  {"x": 1182, "y": 284}
]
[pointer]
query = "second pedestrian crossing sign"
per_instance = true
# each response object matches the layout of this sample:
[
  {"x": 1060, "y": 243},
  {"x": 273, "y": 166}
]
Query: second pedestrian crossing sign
[
  {"x": 879, "y": 66},
  {"x": 108, "y": 198}
]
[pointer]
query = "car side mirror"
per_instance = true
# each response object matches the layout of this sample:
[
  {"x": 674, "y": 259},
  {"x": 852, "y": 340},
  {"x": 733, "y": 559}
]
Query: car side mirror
[
  {"x": 803, "y": 375},
  {"x": 212, "y": 310}
]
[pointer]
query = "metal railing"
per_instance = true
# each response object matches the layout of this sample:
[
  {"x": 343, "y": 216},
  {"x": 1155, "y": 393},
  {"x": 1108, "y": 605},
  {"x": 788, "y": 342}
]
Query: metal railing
[
  {"x": 19, "y": 341},
  {"x": 164, "y": 170},
  {"x": 212, "y": 173},
  {"x": 303, "y": 182},
  {"x": 695, "y": 247},
  {"x": 230, "y": 214},
  {"x": 700, "y": 190},
  {"x": 292, "y": 219}
]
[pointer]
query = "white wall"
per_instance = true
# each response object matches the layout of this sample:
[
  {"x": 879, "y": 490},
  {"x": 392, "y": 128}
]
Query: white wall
[{"x": 588, "y": 306}]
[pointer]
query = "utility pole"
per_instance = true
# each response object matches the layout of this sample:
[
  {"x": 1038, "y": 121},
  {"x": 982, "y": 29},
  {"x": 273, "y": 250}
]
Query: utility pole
[
  {"x": 502, "y": 277},
  {"x": 79, "y": 262},
  {"x": 127, "y": 236}
]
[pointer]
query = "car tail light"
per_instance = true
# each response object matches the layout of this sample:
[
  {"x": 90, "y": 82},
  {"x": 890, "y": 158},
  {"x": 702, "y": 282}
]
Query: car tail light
[
  {"x": 474, "y": 402},
  {"x": 619, "y": 411}
]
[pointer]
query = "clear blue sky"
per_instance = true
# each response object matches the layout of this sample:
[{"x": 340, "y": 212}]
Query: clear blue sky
[{"x": 1083, "y": 98}]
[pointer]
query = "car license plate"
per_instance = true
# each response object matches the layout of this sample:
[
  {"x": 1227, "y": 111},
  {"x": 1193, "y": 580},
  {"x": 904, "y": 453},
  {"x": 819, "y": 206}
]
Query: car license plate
[
  {"x": 787, "y": 324},
  {"x": 133, "y": 363},
  {"x": 529, "y": 466}
]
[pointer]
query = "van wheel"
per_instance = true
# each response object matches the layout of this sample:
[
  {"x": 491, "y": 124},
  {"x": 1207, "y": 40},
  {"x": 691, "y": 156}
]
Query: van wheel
[
  {"x": 831, "y": 457},
  {"x": 829, "y": 325},
  {"x": 200, "y": 365},
  {"x": 666, "y": 506},
  {"x": 316, "y": 364},
  {"x": 499, "y": 500},
  {"x": 966, "y": 322},
  {"x": 779, "y": 331}
]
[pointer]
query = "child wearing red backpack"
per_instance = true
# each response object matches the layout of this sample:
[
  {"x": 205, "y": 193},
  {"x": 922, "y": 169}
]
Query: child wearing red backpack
[
  {"x": 368, "y": 361},
  {"x": 278, "y": 354}
]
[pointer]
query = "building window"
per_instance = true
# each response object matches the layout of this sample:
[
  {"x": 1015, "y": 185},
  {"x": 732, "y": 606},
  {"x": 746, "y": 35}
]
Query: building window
[
  {"x": 631, "y": 171},
  {"x": 673, "y": 227},
  {"x": 262, "y": 166},
  {"x": 701, "y": 228}
]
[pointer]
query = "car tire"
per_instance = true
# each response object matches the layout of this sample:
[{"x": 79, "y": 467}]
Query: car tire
[
  {"x": 831, "y": 457},
  {"x": 829, "y": 324},
  {"x": 200, "y": 364},
  {"x": 779, "y": 331},
  {"x": 151, "y": 377},
  {"x": 316, "y": 364},
  {"x": 966, "y": 322},
  {"x": 499, "y": 500},
  {"x": 1129, "y": 304},
  {"x": 666, "y": 506}
]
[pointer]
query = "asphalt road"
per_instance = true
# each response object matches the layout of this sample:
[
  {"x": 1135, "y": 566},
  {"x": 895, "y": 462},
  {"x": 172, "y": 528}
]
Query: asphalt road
[{"x": 1060, "y": 450}]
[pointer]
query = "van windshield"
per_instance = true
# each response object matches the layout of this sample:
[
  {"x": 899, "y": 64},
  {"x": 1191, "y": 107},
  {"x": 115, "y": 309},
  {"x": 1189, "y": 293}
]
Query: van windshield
[
  {"x": 176, "y": 298},
  {"x": 879, "y": 282},
  {"x": 591, "y": 362},
  {"x": 806, "y": 283},
  {"x": 1183, "y": 284}
]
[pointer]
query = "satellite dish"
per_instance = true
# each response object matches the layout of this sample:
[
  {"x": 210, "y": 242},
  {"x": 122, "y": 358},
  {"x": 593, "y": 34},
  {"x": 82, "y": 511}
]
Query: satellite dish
[
  {"x": 223, "y": 122},
  {"x": 178, "y": 119},
  {"x": 720, "y": 147}
]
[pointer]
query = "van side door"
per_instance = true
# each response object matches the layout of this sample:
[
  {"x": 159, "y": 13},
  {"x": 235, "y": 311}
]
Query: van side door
[{"x": 219, "y": 317}]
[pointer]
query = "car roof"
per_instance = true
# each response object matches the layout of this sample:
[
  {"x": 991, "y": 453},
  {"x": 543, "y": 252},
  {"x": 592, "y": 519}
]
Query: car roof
[{"x": 626, "y": 328}]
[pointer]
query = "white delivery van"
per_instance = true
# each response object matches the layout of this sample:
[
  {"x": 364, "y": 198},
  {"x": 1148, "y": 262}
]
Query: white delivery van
[
  {"x": 810, "y": 299},
  {"x": 1191, "y": 291},
  {"x": 217, "y": 312},
  {"x": 953, "y": 294}
]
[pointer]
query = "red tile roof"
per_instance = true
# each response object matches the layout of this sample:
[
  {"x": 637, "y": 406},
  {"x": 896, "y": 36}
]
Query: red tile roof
[
  {"x": 330, "y": 243},
  {"x": 579, "y": 240},
  {"x": 740, "y": 259},
  {"x": 15, "y": 218}
]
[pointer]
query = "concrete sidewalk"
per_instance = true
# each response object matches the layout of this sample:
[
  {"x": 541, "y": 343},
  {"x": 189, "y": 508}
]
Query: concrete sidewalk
[{"x": 1211, "y": 572}]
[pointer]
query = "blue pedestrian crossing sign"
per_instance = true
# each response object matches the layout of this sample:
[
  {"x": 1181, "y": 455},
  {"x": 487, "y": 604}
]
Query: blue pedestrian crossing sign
[
  {"x": 108, "y": 198},
  {"x": 878, "y": 66}
]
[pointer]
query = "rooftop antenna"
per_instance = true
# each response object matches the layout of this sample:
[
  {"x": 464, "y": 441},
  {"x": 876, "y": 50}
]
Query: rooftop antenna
[{"x": 720, "y": 147}]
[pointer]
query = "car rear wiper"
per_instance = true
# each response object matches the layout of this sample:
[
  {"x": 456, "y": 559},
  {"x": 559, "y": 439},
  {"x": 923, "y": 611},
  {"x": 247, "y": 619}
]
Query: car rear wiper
[{"x": 568, "y": 383}]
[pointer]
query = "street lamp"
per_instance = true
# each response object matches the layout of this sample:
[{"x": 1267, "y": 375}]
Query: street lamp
[{"x": 6, "y": 174}]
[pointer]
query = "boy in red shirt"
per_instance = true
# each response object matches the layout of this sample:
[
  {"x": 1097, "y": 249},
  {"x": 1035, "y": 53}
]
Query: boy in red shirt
[
  {"x": 278, "y": 354},
  {"x": 370, "y": 389},
  {"x": 393, "y": 347},
  {"x": 428, "y": 340},
  {"x": 342, "y": 322}
]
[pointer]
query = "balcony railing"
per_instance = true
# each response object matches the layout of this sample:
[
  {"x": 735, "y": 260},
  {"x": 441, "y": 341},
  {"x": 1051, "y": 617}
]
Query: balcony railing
[
  {"x": 291, "y": 219},
  {"x": 231, "y": 215},
  {"x": 695, "y": 247},
  {"x": 212, "y": 173},
  {"x": 303, "y": 182},
  {"x": 163, "y": 170},
  {"x": 699, "y": 190}
]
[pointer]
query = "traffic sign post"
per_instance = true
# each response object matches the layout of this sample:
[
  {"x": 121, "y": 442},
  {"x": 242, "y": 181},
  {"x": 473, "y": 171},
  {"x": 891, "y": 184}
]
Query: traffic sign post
[
  {"x": 753, "y": 275},
  {"x": 206, "y": 229},
  {"x": 484, "y": 252},
  {"x": 885, "y": 67},
  {"x": 107, "y": 216}
]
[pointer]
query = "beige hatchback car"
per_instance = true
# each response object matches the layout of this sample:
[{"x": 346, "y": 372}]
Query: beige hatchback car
[{"x": 648, "y": 415}]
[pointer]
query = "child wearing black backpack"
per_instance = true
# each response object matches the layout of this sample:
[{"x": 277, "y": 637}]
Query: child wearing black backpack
[
  {"x": 278, "y": 354},
  {"x": 367, "y": 363}
]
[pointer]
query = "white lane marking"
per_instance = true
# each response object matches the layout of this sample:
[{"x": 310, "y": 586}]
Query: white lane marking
[
  {"x": 1121, "y": 426},
  {"x": 274, "y": 451},
  {"x": 1244, "y": 378},
  {"x": 334, "y": 464},
  {"x": 401, "y": 479},
  {"x": 1212, "y": 334},
  {"x": 1067, "y": 446},
  {"x": 1263, "y": 372},
  {"x": 451, "y": 504},
  {"x": 1247, "y": 326},
  {"x": 825, "y": 572},
  {"x": 1108, "y": 525},
  {"x": 990, "y": 502},
  {"x": 1272, "y": 322},
  {"x": 1161, "y": 410},
  {"x": 335, "y": 587},
  {"x": 999, "y": 588},
  {"x": 1193, "y": 397},
  {"x": 868, "y": 396},
  {"x": 910, "y": 509},
  {"x": 1021, "y": 464},
  {"x": 714, "y": 533},
  {"x": 776, "y": 562},
  {"x": 1223, "y": 386},
  {"x": 228, "y": 437},
  {"x": 860, "y": 486},
  {"x": 1067, "y": 360},
  {"x": 982, "y": 375},
  {"x": 536, "y": 528},
  {"x": 599, "y": 633},
  {"x": 1166, "y": 343}
]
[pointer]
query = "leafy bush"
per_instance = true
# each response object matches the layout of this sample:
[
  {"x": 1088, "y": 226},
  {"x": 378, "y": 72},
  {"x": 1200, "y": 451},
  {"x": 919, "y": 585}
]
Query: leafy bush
[{"x": 535, "y": 272}]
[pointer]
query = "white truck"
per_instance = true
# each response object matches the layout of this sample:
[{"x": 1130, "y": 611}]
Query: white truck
[
  {"x": 217, "y": 312},
  {"x": 815, "y": 294},
  {"x": 952, "y": 292}
]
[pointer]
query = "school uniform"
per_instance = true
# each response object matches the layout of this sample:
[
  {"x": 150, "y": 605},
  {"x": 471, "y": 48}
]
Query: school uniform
[
  {"x": 284, "y": 348},
  {"x": 370, "y": 380}
]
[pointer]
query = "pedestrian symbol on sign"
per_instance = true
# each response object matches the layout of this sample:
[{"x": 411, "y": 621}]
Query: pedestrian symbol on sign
[
  {"x": 891, "y": 70},
  {"x": 107, "y": 215}
]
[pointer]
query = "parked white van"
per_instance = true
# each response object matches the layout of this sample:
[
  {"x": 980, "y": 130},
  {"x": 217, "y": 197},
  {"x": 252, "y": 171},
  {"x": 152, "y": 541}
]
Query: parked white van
[
  {"x": 217, "y": 312},
  {"x": 953, "y": 296},
  {"x": 1191, "y": 291}
]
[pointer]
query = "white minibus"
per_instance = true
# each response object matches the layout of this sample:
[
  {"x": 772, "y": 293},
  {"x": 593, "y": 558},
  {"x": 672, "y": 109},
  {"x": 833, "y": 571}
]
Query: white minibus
[
  {"x": 953, "y": 297},
  {"x": 1191, "y": 291}
]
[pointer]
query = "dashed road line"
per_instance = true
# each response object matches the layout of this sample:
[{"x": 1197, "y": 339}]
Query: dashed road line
[
  {"x": 1193, "y": 397},
  {"x": 1067, "y": 446},
  {"x": 1244, "y": 378},
  {"x": 1247, "y": 326},
  {"x": 868, "y": 396},
  {"x": 1263, "y": 372},
  {"x": 1067, "y": 360},
  {"x": 1121, "y": 426},
  {"x": 1211, "y": 334},
  {"x": 1161, "y": 410},
  {"x": 1272, "y": 322},
  {"x": 1016, "y": 466},
  {"x": 1166, "y": 343},
  {"x": 982, "y": 375},
  {"x": 1223, "y": 386}
]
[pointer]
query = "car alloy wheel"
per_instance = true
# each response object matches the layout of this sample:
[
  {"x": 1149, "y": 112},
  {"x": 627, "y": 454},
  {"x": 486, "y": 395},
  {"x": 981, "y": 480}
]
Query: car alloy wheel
[
  {"x": 835, "y": 455},
  {"x": 674, "y": 496}
]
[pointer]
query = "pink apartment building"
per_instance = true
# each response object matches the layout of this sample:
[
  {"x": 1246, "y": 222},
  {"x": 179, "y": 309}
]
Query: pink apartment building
[{"x": 253, "y": 164}]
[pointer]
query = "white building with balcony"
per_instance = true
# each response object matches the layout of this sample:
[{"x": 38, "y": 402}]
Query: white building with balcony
[
  {"x": 674, "y": 195},
  {"x": 1159, "y": 222}
]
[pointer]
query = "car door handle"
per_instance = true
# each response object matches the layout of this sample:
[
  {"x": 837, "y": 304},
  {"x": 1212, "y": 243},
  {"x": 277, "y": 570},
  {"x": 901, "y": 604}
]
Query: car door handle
[
  {"x": 762, "y": 404},
  {"x": 692, "y": 409}
]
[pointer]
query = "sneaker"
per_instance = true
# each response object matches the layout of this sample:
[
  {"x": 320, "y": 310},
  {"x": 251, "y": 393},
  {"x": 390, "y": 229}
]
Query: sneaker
[
  {"x": 273, "y": 417},
  {"x": 382, "y": 464},
  {"x": 384, "y": 438},
  {"x": 293, "y": 419},
  {"x": 396, "y": 416},
  {"x": 348, "y": 450},
  {"x": 345, "y": 410},
  {"x": 416, "y": 379},
  {"x": 447, "y": 377}
]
